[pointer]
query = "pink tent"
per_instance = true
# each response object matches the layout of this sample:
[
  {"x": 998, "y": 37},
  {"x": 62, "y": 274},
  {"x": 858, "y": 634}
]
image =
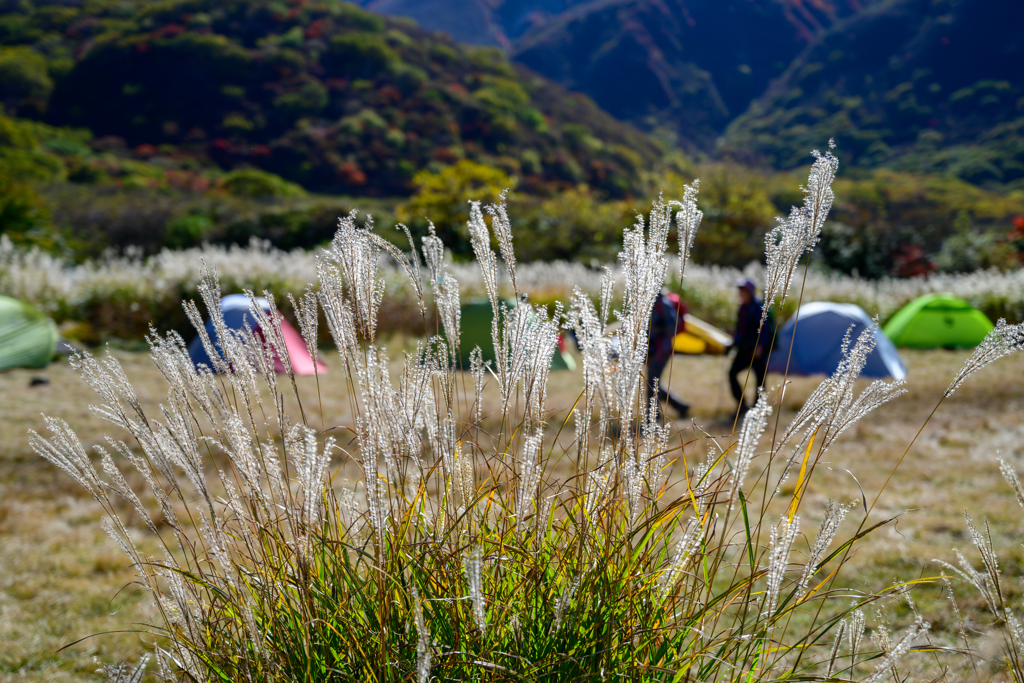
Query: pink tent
[{"x": 237, "y": 312}]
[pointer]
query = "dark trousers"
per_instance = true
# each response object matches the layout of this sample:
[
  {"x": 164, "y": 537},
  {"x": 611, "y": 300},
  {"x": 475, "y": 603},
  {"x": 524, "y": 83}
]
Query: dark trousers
[
  {"x": 654, "y": 369},
  {"x": 745, "y": 359}
]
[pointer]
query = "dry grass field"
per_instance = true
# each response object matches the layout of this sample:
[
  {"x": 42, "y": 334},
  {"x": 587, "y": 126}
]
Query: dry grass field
[{"x": 62, "y": 579}]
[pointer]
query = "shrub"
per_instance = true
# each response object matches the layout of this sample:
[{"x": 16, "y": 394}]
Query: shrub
[
  {"x": 24, "y": 219},
  {"x": 360, "y": 55},
  {"x": 256, "y": 184},
  {"x": 24, "y": 77},
  {"x": 459, "y": 555},
  {"x": 441, "y": 196}
]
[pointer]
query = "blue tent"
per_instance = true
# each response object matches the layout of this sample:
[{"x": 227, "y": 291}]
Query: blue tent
[{"x": 820, "y": 327}]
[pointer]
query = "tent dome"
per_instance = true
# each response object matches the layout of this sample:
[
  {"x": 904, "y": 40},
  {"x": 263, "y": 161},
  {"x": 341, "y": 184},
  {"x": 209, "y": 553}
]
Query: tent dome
[
  {"x": 238, "y": 313},
  {"x": 938, "y": 321},
  {"x": 817, "y": 348},
  {"x": 27, "y": 337}
]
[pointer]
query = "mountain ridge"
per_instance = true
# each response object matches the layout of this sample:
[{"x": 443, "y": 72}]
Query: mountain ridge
[{"x": 321, "y": 92}]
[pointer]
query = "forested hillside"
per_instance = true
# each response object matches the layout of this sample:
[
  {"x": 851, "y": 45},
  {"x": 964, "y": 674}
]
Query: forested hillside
[
  {"x": 322, "y": 93},
  {"x": 932, "y": 86},
  {"x": 915, "y": 85}
]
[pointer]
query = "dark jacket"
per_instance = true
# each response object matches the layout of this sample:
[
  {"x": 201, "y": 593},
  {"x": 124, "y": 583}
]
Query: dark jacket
[
  {"x": 748, "y": 319},
  {"x": 667, "y": 320}
]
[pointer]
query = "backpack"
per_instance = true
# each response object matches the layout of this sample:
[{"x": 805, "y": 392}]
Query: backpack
[{"x": 668, "y": 310}]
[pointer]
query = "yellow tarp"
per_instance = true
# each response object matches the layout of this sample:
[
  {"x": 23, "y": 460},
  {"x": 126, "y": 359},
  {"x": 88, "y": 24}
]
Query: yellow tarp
[{"x": 701, "y": 337}]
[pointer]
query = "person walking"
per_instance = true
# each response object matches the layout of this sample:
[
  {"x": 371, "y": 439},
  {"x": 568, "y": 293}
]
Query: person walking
[
  {"x": 666, "y": 322},
  {"x": 750, "y": 346}
]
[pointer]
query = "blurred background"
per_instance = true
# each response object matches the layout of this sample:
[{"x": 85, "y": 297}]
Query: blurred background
[{"x": 164, "y": 125}]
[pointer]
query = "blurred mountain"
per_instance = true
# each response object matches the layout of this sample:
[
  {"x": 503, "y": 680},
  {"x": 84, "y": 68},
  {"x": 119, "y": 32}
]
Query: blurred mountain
[
  {"x": 684, "y": 68},
  {"x": 476, "y": 22},
  {"x": 323, "y": 93},
  {"x": 922, "y": 85}
]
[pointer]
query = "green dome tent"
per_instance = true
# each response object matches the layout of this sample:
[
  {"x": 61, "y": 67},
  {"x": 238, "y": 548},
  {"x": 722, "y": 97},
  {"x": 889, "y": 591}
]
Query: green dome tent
[
  {"x": 938, "y": 321},
  {"x": 475, "y": 330},
  {"x": 28, "y": 338}
]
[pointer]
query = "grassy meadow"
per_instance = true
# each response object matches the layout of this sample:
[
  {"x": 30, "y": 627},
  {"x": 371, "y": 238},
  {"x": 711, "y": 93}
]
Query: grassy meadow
[{"x": 63, "y": 579}]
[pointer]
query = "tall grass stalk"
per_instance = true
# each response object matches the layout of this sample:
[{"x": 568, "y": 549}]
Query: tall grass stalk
[{"x": 458, "y": 553}]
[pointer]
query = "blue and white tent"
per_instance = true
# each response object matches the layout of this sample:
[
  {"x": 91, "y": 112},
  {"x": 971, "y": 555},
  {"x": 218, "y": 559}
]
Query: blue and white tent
[{"x": 818, "y": 348}]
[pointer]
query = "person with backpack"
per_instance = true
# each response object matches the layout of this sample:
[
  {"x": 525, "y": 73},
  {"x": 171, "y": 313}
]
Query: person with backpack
[
  {"x": 750, "y": 344},
  {"x": 667, "y": 320}
]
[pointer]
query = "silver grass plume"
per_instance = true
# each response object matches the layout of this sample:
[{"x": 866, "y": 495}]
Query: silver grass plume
[
  {"x": 207, "y": 280},
  {"x": 856, "y": 632},
  {"x": 883, "y": 670},
  {"x": 64, "y": 450},
  {"x": 840, "y": 632},
  {"x": 472, "y": 566},
  {"x": 598, "y": 484},
  {"x": 502, "y": 228},
  {"x": 449, "y": 309},
  {"x": 644, "y": 267},
  {"x": 529, "y": 478},
  {"x": 793, "y": 236},
  {"x": 308, "y": 315},
  {"x": 433, "y": 254},
  {"x": 270, "y": 325},
  {"x": 988, "y": 559},
  {"x": 685, "y": 548},
  {"x": 478, "y": 368},
  {"x": 781, "y": 542},
  {"x": 834, "y": 516},
  {"x": 480, "y": 238},
  {"x": 980, "y": 580},
  {"x": 122, "y": 673},
  {"x": 310, "y": 463},
  {"x": 409, "y": 263},
  {"x": 754, "y": 423},
  {"x": 356, "y": 257},
  {"x": 831, "y": 408},
  {"x": 687, "y": 221},
  {"x": 543, "y": 343},
  {"x": 1002, "y": 341},
  {"x": 1011, "y": 478},
  {"x": 956, "y": 609}
]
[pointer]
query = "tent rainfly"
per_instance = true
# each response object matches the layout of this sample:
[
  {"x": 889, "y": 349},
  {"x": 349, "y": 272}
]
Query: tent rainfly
[
  {"x": 237, "y": 312},
  {"x": 475, "y": 330},
  {"x": 938, "y": 321},
  {"x": 28, "y": 339},
  {"x": 817, "y": 347}
]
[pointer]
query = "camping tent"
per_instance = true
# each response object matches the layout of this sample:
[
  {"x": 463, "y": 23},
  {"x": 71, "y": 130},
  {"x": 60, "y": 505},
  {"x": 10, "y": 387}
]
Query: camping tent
[
  {"x": 237, "y": 312},
  {"x": 475, "y": 330},
  {"x": 938, "y": 321},
  {"x": 817, "y": 349},
  {"x": 701, "y": 337},
  {"x": 28, "y": 338}
]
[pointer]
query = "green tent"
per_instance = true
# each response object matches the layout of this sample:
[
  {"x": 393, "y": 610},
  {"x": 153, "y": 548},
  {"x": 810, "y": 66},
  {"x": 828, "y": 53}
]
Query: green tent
[
  {"x": 475, "y": 330},
  {"x": 27, "y": 337},
  {"x": 938, "y": 321}
]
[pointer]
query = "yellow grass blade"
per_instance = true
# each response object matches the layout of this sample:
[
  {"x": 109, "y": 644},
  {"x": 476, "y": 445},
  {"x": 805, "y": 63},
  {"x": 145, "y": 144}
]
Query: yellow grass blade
[{"x": 800, "y": 480}]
